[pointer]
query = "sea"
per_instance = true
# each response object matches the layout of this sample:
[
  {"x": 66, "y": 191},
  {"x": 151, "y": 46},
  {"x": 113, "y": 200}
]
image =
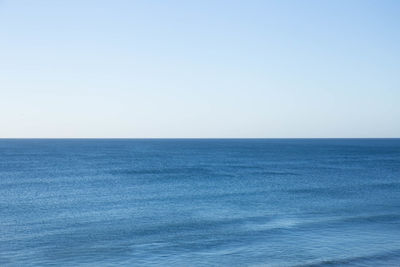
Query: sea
[{"x": 199, "y": 202}]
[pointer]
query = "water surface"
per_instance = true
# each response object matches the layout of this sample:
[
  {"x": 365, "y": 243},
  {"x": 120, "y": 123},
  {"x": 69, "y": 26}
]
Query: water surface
[{"x": 256, "y": 202}]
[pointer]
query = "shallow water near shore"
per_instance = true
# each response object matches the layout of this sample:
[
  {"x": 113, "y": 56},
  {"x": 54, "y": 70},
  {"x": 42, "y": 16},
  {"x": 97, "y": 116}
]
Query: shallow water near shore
[{"x": 200, "y": 202}]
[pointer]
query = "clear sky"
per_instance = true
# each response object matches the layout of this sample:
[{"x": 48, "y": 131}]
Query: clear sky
[{"x": 199, "y": 68}]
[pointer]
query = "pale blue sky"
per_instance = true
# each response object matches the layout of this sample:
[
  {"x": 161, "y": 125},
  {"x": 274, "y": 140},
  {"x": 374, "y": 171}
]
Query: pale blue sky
[{"x": 199, "y": 68}]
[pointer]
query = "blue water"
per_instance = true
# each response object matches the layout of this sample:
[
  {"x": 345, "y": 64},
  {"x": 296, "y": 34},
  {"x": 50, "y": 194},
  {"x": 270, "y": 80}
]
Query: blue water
[{"x": 200, "y": 202}]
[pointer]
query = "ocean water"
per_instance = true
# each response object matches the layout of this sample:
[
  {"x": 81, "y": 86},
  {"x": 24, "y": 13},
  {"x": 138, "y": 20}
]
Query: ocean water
[{"x": 256, "y": 202}]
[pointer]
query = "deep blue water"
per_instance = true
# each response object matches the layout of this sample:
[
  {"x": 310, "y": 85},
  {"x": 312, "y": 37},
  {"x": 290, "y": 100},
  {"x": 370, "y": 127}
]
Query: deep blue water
[{"x": 264, "y": 202}]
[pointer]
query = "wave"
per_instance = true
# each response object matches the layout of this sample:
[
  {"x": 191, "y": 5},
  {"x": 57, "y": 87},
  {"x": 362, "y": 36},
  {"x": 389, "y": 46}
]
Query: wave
[
  {"x": 345, "y": 189},
  {"x": 390, "y": 258},
  {"x": 183, "y": 170}
]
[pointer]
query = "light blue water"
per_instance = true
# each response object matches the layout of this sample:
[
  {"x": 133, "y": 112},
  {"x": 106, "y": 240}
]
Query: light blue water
[{"x": 200, "y": 202}]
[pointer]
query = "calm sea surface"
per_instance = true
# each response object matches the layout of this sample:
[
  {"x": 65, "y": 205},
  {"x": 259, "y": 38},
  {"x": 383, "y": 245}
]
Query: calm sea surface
[{"x": 271, "y": 202}]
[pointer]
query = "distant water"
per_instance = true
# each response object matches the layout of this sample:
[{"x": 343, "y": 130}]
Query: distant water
[{"x": 271, "y": 202}]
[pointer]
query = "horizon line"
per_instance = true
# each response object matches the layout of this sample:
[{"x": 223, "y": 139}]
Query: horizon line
[{"x": 191, "y": 138}]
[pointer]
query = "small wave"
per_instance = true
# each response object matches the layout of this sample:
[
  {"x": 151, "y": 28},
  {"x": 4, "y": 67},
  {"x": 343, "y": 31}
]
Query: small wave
[
  {"x": 390, "y": 258},
  {"x": 281, "y": 223},
  {"x": 344, "y": 190},
  {"x": 277, "y": 173},
  {"x": 252, "y": 167},
  {"x": 379, "y": 218},
  {"x": 184, "y": 170}
]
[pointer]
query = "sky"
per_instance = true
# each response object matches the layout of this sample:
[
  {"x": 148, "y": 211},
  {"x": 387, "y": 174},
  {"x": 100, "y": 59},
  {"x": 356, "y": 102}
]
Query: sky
[{"x": 199, "y": 69}]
